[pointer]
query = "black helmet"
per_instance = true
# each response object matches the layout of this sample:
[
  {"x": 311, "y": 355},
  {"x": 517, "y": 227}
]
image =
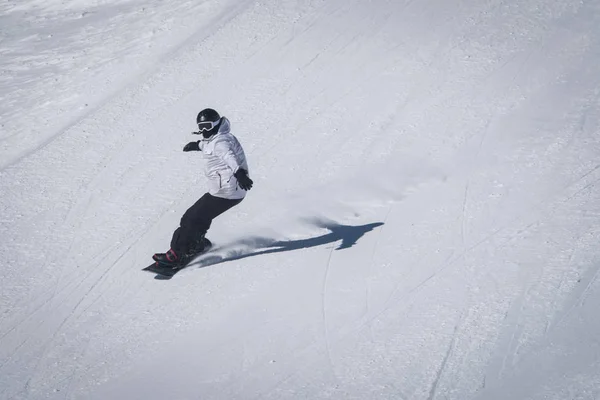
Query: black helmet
[{"x": 208, "y": 121}]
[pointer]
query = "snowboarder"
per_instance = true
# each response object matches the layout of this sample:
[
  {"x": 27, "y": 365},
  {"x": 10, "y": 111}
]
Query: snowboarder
[{"x": 227, "y": 171}]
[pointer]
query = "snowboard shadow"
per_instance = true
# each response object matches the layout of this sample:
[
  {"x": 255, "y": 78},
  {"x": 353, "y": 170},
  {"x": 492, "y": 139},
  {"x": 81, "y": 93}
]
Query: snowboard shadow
[{"x": 258, "y": 246}]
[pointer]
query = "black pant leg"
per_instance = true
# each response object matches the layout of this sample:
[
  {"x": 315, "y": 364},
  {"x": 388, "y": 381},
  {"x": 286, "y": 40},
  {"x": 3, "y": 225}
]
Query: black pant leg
[
  {"x": 183, "y": 235},
  {"x": 196, "y": 221}
]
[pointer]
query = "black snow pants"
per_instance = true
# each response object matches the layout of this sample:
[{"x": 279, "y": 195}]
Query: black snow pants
[{"x": 197, "y": 219}]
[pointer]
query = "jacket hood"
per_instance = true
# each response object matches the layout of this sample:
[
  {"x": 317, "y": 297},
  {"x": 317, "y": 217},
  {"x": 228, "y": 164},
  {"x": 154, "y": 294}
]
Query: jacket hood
[{"x": 225, "y": 126}]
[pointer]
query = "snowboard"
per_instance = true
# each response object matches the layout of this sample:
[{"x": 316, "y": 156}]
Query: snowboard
[{"x": 167, "y": 271}]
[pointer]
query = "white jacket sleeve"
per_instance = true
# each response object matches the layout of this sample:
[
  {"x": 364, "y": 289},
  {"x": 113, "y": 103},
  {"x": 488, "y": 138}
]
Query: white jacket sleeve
[{"x": 224, "y": 150}]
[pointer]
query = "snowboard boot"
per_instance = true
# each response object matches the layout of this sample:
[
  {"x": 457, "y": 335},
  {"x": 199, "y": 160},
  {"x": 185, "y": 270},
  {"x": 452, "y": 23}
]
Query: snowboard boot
[{"x": 199, "y": 246}]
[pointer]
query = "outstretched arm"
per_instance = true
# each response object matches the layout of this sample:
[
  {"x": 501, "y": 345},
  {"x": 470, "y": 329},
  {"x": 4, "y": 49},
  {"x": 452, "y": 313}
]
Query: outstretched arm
[{"x": 192, "y": 146}]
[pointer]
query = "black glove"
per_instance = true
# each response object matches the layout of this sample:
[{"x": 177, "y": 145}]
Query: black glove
[
  {"x": 243, "y": 179},
  {"x": 192, "y": 146}
]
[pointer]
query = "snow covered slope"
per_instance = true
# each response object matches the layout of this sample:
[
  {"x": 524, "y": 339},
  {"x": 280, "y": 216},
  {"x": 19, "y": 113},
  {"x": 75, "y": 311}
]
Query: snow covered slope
[{"x": 424, "y": 222}]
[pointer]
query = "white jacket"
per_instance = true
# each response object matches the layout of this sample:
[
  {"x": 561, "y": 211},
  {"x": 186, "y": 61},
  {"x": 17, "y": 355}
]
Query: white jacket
[{"x": 223, "y": 155}]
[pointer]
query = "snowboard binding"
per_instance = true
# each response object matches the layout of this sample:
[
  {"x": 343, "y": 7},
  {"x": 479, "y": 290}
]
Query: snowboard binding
[{"x": 169, "y": 263}]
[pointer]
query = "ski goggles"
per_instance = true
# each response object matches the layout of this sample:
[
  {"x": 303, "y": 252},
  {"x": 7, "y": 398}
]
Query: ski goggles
[{"x": 207, "y": 125}]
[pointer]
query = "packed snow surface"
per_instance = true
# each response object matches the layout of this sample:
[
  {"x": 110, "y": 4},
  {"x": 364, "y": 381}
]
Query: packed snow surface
[{"x": 424, "y": 222}]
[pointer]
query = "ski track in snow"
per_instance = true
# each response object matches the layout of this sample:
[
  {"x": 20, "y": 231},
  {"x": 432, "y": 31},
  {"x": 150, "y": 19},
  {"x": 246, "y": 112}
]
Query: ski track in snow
[{"x": 424, "y": 222}]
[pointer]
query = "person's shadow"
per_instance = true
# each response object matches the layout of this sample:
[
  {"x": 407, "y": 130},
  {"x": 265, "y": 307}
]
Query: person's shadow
[{"x": 257, "y": 246}]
